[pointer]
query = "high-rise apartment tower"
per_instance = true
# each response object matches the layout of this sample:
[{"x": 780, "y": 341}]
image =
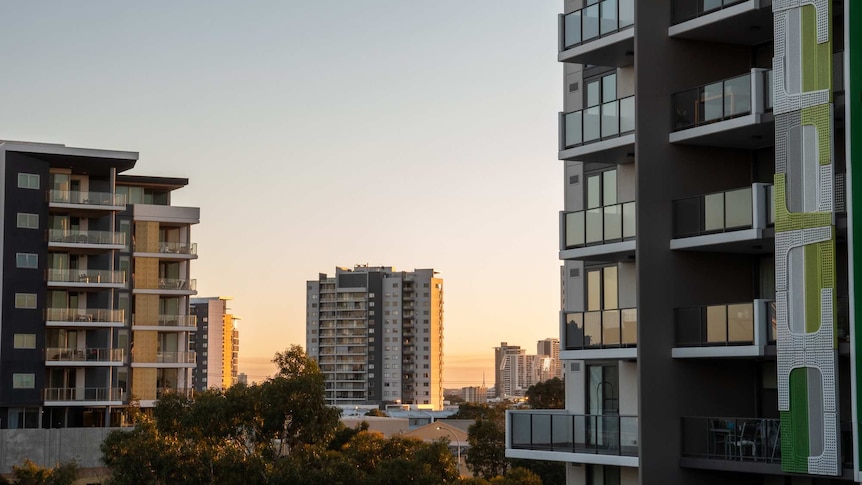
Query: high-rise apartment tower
[
  {"x": 377, "y": 335},
  {"x": 216, "y": 343},
  {"x": 708, "y": 331}
]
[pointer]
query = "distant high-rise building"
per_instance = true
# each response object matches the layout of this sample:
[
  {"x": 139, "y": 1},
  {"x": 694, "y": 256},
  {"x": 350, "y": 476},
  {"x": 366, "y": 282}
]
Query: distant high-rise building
[
  {"x": 476, "y": 394},
  {"x": 551, "y": 367},
  {"x": 377, "y": 335},
  {"x": 242, "y": 378},
  {"x": 216, "y": 343},
  {"x": 501, "y": 354}
]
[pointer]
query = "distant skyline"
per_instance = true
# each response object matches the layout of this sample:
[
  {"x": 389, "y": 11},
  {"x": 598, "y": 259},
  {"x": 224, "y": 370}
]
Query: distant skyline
[{"x": 317, "y": 135}]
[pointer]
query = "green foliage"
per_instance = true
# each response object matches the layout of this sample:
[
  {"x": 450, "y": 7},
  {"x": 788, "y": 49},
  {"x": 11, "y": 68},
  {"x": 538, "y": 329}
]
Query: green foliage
[
  {"x": 376, "y": 412},
  {"x": 550, "y": 394},
  {"x": 278, "y": 432},
  {"x": 518, "y": 476},
  {"x": 30, "y": 473},
  {"x": 470, "y": 410},
  {"x": 551, "y": 472},
  {"x": 486, "y": 456}
]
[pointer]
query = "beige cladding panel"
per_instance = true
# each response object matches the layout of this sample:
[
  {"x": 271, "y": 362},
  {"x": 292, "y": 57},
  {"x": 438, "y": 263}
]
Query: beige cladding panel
[
  {"x": 146, "y": 346},
  {"x": 146, "y": 273},
  {"x": 144, "y": 383},
  {"x": 146, "y": 309},
  {"x": 147, "y": 237}
]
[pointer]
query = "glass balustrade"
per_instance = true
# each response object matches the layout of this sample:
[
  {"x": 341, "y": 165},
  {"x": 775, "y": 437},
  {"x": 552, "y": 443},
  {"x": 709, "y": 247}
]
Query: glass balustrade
[
  {"x": 83, "y": 394},
  {"x": 717, "y": 101},
  {"x": 83, "y": 355},
  {"x": 597, "y": 20},
  {"x": 712, "y": 213},
  {"x": 84, "y": 315},
  {"x": 86, "y": 276},
  {"x": 75, "y": 197},
  {"x": 608, "y": 120},
  {"x": 721, "y": 325},
  {"x": 574, "y": 433},
  {"x": 70, "y": 236},
  {"x": 612, "y": 223},
  {"x": 601, "y": 329},
  {"x": 684, "y": 10}
]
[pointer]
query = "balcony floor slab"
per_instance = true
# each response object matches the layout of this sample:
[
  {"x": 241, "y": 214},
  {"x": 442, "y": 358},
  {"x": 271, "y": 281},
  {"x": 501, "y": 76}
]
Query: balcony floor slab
[
  {"x": 745, "y": 23},
  {"x": 589, "y": 458},
  {"x": 615, "y": 49},
  {"x": 618, "y": 251},
  {"x": 619, "y": 150}
]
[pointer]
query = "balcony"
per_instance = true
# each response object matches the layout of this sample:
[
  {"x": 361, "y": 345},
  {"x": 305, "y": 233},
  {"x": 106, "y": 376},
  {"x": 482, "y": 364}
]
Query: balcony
[
  {"x": 734, "y": 221},
  {"x": 602, "y": 233},
  {"x": 601, "y": 34},
  {"x": 746, "y": 22},
  {"x": 169, "y": 323},
  {"x": 86, "y": 278},
  {"x": 92, "y": 241},
  {"x": 601, "y": 133},
  {"x": 604, "y": 334},
  {"x": 76, "y": 200},
  {"x": 84, "y": 317},
  {"x": 731, "y": 113},
  {"x": 186, "y": 392},
  {"x": 170, "y": 250},
  {"x": 83, "y": 357},
  {"x": 167, "y": 286},
  {"x": 83, "y": 396},
  {"x": 578, "y": 438},
  {"x": 731, "y": 330},
  {"x": 750, "y": 445}
]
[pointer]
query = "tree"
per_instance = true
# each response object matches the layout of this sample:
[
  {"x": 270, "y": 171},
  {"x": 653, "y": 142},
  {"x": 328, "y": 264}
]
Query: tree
[
  {"x": 376, "y": 412},
  {"x": 29, "y": 473},
  {"x": 486, "y": 456},
  {"x": 550, "y": 394},
  {"x": 518, "y": 476}
]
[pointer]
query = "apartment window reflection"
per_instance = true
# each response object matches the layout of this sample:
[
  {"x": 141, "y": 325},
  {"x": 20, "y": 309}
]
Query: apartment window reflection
[{"x": 604, "y": 323}]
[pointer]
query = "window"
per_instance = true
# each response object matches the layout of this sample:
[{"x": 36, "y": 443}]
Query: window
[
  {"x": 602, "y": 288},
  {"x": 25, "y": 341},
  {"x": 28, "y": 181},
  {"x": 28, "y": 221},
  {"x": 603, "y": 475},
  {"x": 601, "y": 189},
  {"x": 23, "y": 381},
  {"x": 601, "y": 90},
  {"x": 27, "y": 260},
  {"x": 25, "y": 300}
]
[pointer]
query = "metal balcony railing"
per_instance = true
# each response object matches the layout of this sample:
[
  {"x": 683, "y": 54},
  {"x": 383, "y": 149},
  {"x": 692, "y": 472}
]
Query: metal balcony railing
[
  {"x": 601, "y": 329},
  {"x": 600, "y": 225},
  {"x": 595, "y": 123},
  {"x": 69, "y": 236},
  {"x": 594, "y": 21},
  {"x": 573, "y": 433},
  {"x": 83, "y": 394},
  {"x": 86, "y": 198}
]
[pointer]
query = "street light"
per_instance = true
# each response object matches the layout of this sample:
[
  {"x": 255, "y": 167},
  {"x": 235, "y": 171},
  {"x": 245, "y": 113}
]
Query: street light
[{"x": 440, "y": 428}]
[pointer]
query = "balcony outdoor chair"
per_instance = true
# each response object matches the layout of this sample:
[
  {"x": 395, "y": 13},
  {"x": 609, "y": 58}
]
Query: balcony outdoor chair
[{"x": 746, "y": 441}]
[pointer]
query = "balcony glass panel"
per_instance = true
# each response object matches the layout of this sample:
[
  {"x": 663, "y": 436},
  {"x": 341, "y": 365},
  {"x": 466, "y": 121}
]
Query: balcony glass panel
[
  {"x": 595, "y": 233},
  {"x": 575, "y": 229},
  {"x": 592, "y": 129},
  {"x": 738, "y": 208},
  {"x": 572, "y": 29},
  {"x": 627, "y": 13},
  {"x": 716, "y": 324},
  {"x": 740, "y": 323},
  {"x": 593, "y": 329},
  {"x": 712, "y": 102},
  {"x": 713, "y": 212},
  {"x": 541, "y": 428},
  {"x": 578, "y": 433},
  {"x": 768, "y": 90},
  {"x": 629, "y": 326},
  {"x": 574, "y": 128},
  {"x": 611, "y": 328},
  {"x": 613, "y": 118},
  {"x": 609, "y": 21},
  {"x": 629, "y": 222},
  {"x": 736, "y": 439},
  {"x": 770, "y": 204},
  {"x": 574, "y": 331},
  {"x": 737, "y": 95},
  {"x": 613, "y": 222},
  {"x": 521, "y": 430},
  {"x": 610, "y": 119},
  {"x": 591, "y": 22}
]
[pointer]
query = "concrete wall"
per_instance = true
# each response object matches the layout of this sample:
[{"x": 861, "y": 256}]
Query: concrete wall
[{"x": 48, "y": 447}]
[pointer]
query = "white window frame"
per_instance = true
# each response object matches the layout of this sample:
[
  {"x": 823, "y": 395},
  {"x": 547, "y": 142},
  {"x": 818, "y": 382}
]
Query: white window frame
[
  {"x": 22, "y": 300},
  {"x": 24, "y": 341},
  {"x": 23, "y": 381},
  {"x": 27, "y": 220},
  {"x": 28, "y": 180},
  {"x": 27, "y": 260}
]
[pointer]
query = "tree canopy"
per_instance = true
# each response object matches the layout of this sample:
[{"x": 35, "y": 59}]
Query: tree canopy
[{"x": 550, "y": 394}]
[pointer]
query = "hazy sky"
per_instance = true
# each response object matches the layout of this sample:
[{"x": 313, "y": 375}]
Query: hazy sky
[{"x": 323, "y": 134}]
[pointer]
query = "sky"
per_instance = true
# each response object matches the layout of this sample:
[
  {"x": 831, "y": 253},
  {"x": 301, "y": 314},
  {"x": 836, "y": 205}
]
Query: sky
[{"x": 323, "y": 134}]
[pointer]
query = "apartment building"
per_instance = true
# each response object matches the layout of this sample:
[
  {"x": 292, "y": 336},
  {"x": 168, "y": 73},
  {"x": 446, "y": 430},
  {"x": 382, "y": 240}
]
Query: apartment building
[
  {"x": 501, "y": 359},
  {"x": 216, "y": 343},
  {"x": 550, "y": 349},
  {"x": 95, "y": 286},
  {"x": 708, "y": 330},
  {"x": 377, "y": 335}
]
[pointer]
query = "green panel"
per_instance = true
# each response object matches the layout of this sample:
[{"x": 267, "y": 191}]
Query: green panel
[
  {"x": 786, "y": 221},
  {"x": 819, "y": 116},
  {"x": 794, "y": 425},
  {"x": 816, "y": 58}
]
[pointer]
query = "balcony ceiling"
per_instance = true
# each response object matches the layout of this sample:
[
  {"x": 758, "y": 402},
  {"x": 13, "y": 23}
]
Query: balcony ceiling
[
  {"x": 746, "y": 24},
  {"x": 616, "y": 50},
  {"x": 748, "y": 135}
]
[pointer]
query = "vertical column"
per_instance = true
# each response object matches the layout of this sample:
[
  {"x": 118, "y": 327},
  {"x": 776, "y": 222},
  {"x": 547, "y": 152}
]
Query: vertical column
[{"x": 805, "y": 238}]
